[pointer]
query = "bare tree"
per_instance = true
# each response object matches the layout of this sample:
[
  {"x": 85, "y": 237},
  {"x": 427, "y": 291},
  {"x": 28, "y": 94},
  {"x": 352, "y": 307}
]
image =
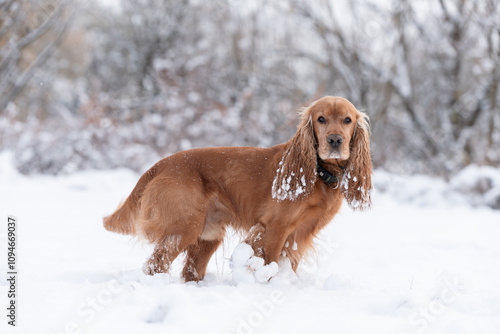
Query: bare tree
[
  {"x": 167, "y": 75},
  {"x": 29, "y": 35},
  {"x": 447, "y": 60},
  {"x": 433, "y": 90}
]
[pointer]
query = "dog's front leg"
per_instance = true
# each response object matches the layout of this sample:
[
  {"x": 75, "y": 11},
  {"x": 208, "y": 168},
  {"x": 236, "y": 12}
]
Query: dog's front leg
[{"x": 267, "y": 241}]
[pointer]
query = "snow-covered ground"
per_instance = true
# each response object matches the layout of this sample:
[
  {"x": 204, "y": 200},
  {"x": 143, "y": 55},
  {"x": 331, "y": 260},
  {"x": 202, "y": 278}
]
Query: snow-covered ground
[{"x": 422, "y": 261}]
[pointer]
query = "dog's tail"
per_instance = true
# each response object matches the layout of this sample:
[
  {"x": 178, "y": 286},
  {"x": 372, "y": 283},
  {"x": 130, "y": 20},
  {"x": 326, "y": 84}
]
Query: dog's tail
[{"x": 123, "y": 219}]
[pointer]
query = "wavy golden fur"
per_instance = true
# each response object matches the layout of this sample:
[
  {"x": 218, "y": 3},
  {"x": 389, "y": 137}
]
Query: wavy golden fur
[{"x": 185, "y": 202}]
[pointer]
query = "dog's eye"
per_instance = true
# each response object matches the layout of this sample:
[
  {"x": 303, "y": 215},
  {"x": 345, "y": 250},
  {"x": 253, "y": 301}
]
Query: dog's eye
[
  {"x": 347, "y": 120},
  {"x": 322, "y": 120}
]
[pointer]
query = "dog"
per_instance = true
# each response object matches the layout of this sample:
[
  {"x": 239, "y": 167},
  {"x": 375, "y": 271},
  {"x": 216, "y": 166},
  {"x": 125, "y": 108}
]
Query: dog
[{"x": 280, "y": 196}]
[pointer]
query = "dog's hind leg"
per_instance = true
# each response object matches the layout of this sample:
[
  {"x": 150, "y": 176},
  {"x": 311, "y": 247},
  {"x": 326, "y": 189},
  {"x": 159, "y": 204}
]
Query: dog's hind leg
[
  {"x": 197, "y": 257},
  {"x": 163, "y": 255},
  {"x": 171, "y": 219}
]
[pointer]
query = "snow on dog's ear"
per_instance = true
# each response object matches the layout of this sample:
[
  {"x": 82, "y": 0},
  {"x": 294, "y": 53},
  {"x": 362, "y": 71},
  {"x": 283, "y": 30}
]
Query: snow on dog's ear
[
  {"x": 296, "y": 173},
  {"x": 357, "y": 181}
]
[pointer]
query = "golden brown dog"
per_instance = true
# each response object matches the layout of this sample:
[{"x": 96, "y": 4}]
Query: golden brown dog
[{"x": 282, "y": 196}]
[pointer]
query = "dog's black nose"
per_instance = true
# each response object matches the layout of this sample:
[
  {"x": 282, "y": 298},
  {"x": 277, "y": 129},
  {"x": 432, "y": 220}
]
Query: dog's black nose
[{"x": 335, "y": 140}]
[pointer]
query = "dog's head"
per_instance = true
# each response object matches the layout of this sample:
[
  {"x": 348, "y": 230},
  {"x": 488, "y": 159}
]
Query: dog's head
[
  {"x": 334, "y": 122},
  {"x": 333, "y": 130}
]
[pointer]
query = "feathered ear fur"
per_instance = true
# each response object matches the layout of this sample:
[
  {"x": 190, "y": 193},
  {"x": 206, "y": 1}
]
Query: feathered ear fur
[
  {"x": 296, "y": 173},
  {"x": 357, "y": 181}
]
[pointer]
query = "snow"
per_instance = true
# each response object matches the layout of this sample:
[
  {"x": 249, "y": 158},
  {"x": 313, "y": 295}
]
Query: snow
[
  {"x": 423, "y": 260},
  {"x": 285, "y": 191},
  {"x": 483, "y": 183},
  {"x": 241, "y": 265},
  {"x": 247, "y": 268},
  {"x": 476, "y": 186}
]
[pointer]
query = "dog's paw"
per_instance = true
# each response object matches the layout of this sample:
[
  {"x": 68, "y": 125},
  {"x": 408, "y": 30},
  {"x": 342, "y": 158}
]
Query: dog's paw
[
  {"x": 266, "y": 272},
  {"x": 151, "y": 268},
  {"x": 248, "y": 268}
]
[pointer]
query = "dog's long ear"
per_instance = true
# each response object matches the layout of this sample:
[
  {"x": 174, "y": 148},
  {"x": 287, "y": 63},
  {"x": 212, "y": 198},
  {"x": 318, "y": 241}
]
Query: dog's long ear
[
  {"x": 296, "y": 172},
  {"x": 357, "y": 181}
]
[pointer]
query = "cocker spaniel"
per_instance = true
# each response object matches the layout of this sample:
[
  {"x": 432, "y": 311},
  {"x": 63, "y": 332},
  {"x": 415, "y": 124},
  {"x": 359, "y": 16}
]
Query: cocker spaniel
[{"x": 280, "y": 196}]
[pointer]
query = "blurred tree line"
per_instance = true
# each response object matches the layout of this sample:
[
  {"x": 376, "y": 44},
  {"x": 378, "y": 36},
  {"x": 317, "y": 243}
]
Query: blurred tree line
[{"x": 84, "y": 85}]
